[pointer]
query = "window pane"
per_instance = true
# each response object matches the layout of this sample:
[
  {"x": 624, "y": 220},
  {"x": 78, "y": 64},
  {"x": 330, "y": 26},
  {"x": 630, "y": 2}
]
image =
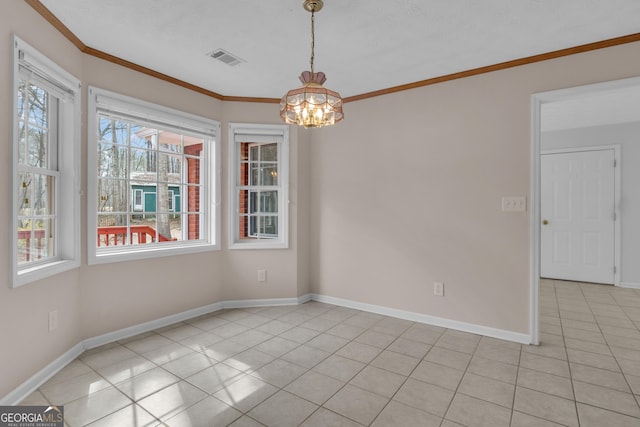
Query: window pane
[
  {"x": 112, "y": 195},
  {"x": 43, "y": 195},
  {"x": 169, "y": 168},
  {"x": 269, "y": 201},
  {"x": 269, "y": 174},
  {"x": 143, "y": 164},
  {"x": 112, "y": 230},
  {"x": 25, "y": 198},
  {"x": 171, "y": 142},
  {"x": 21, "y": 100},
  {"x": 193, "y": 223},
  {"x": 112, "y": 161},
  {"x": 142, "y": 137},
  {"x": 38, "y": 99},
  {"x": 37, "y": 147},
  {"x": 24, "y": 241},
  {"x": 22, "y": 144},
  {"x": 270, "y": 153},
  {"x": 111, "y": 130}
]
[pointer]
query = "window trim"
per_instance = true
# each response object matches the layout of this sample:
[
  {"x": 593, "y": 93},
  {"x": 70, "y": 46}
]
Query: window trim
[
  {"x": 67, "y": 88},
  {"x": 258, "y": 130},
  {"x": 168, "y": 119}
]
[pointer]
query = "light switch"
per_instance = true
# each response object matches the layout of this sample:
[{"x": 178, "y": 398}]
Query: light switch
[{"x": 514, "y": 204}]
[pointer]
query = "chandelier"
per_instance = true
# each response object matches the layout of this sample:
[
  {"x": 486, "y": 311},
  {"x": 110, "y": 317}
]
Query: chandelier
[{"x": 311, "y": 105}]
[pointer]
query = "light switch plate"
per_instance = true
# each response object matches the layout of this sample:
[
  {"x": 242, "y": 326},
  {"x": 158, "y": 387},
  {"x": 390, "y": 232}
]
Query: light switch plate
[{"x": 514, "y": 204}]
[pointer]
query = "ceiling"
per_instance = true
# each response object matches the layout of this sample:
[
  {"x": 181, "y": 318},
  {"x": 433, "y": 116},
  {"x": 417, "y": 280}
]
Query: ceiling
[{"x": 361, "y": 45}]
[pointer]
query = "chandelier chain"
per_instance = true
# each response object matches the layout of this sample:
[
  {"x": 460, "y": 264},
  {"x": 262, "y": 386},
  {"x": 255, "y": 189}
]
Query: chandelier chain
[{"x": 313, "y": 38}]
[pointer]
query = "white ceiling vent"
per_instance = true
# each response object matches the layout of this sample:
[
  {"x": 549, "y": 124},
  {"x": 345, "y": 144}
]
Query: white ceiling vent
[{"x": 226, "y": 57}]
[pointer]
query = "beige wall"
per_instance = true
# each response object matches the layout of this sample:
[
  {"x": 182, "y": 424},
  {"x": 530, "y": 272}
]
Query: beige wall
[
  {"x": 407, "y": 191},
  {"x": 98, "y": 299}
]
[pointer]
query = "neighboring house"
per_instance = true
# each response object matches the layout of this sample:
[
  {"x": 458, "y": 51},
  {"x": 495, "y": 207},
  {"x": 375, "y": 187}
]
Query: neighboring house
[{"x": 144, "y": 193}]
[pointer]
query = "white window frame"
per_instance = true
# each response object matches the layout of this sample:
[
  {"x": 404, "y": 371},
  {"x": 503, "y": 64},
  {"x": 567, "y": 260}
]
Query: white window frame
[
  {"x": 99, "y": 100},
  {"x": 258, "y": 133},
  {"x": 67, "y": 89}
]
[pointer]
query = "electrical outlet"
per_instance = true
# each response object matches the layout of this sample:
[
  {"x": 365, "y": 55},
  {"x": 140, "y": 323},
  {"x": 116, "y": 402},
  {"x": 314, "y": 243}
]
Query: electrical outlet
[
  {"x": 262, "y": 275},
  {"x": 438, "y": 289},
  {"x": 53, "y": 320}
]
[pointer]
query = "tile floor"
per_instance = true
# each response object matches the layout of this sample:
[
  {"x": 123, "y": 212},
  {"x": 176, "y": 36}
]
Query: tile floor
[{"x": 322, "y": 365}]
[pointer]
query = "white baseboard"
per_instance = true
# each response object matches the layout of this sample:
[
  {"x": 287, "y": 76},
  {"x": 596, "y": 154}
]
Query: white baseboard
[
  {"x": 33, "y": 383},
  {"x": 630, "y": 285},
  {"x": 430, "y": 320},
  {"x": 26, "y": 388},
  {"x": 150, "y": 326}
]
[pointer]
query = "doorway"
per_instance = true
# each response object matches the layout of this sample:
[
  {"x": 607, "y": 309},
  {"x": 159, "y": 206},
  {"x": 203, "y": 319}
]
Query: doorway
[
  {"x": 595, "y": 105},
  {"x": 578, "y": 209}
]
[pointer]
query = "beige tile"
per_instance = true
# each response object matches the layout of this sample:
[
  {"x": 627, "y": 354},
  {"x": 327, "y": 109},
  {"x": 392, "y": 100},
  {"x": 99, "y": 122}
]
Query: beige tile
[
  {"x": 606, "y": 398},
  {"x": 478, "y": 413},
  {"x": 439, "y": 375},
  {"x": 251, "y": 337},
  {"x": 634, "y": 383},
  {"x": 75, "y": 368},
  {"x": 397, "y": 414},
  {"x": 201, "y": 341},
  {"x": 279, "y": 372},
  {"x": 409, "y": 347},
  {"x": 629, "y": 367},
  {"x": 270, "y": 412},
  {"x": 229, "y": 330},
  {"x": 363, "y": 319},
  {"x": 339, "y": 367},
  {"x": 519, "y": 419},
  {"x": 147, "y": 383},
  {"x": 392, "y": 326},
  {"x": 254, "y": 321},
  {"x": 395, "y": 362},
  {"x": 546, "y": 383},
  {"x": 299, "y": 334},
  {"x": 592, "y": 359},
  {"x": 125, "y": 369},
  {"x": 344, "y": 330},
  {"x": 168, "y": 353},
  {"x": 450, "y": 358},
  {"x": 208, "y": 322},
  {"x": 315, "y": 387},
  {"x": 245, "y": 393},
  {"x": 545, "y": 364},
  {"x": 215, "y": 377},
  {"x": 245, "y": 421},
  {"x": 111, "y": 355},
  {"x": 376, "y": 339},
  {"x": 581, "y": 334},
  {"x": 275, "y": 327},
  {"x": 319, "y": 324},
  {"x": 498, "y": 353},
  {"x": 95, "y": 406},
  {"x": 148, "y": 343},
  {"x": 323, "y": 418},
  {"x": 546, "y": 406},
  {"x": 598, "y": 417},
  {"x": 625, "y": 353},
  {"x": 424, "y": 396},
  {"x": 224, "y": 349},
  {"x": 547, "y": 349},
  {"x": 132, "y": 415},
  {"x": 180, "y": 332},
  {"x": 172, "y": 400},
  {"x": 35, "y": 399},
  {"x": 459, "y": 341},
  {"x": 602, "y": 377},
  {"x": 378, "y": 381},
  {"x": 587, "y": 346},
  {"x": 249, "y": 360},
  {"x": 277, "y": 346},
  {"x": 488, "y": 389},
  {"x": 189, "y": 364},
  {"x": 207, "y": 412},
  {"x": 61, "y": 393},
  {"x": 361, "y": 352},
  {"x": 306, "y": 356},
  {"x": 357, "y": 404},
  {"x": 424, "y": 333},
  {"x": 493, "y": 369},
  {"x": 327, "y": 342}
]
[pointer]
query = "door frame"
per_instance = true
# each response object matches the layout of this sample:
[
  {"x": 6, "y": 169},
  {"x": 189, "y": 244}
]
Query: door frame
[
  {"x": 617, "y": 246},
  {"x": 537, "y": 100}
]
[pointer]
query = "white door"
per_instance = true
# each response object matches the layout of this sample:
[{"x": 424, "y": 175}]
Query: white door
[{"x": 577, "y": 210}]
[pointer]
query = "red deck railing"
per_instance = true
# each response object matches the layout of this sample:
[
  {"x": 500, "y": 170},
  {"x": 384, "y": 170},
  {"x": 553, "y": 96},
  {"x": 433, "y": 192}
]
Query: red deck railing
[
  {"x": 38, "y": 236},
  {"x": 117, "y": 235}
]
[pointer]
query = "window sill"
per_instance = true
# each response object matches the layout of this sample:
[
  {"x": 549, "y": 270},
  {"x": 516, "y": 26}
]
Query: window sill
[
  {"x": 42, "y": 271},
  {"x": 156, "y": 251},
  {"x": 259, "y": 245}
]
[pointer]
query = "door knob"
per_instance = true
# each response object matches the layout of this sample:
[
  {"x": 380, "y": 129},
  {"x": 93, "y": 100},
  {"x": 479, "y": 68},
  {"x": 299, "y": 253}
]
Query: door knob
[{"x": 545, "y": 222}]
